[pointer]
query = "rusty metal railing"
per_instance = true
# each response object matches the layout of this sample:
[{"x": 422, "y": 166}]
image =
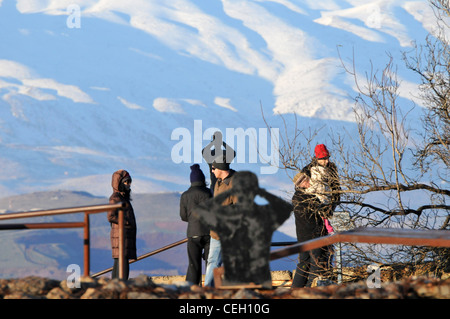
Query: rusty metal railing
[
  {"x": 394, "y": 236},
  {"x": 177, "y": 243},
  {"x": 87, "y": 210},
  {"x": 154, "y": 252},
  {"x": 435, "y": 238}
]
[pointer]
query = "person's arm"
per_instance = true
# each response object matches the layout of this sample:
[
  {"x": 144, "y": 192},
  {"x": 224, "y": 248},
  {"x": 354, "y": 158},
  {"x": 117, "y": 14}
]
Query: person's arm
[
  {"x": 113, "y": 215},
  {"x": 205, "y": 212},
  {"x": 183, "y": 209},
  {"x": 281, "y": 208}
]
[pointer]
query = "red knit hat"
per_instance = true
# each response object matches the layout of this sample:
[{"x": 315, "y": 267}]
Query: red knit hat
[{"x": 321, "y": 151}]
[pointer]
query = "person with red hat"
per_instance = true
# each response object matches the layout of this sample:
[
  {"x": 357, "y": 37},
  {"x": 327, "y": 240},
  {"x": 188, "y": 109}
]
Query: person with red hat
[
  {"x": 311, "y": 211},
  {"x": 321, "y": 152}
]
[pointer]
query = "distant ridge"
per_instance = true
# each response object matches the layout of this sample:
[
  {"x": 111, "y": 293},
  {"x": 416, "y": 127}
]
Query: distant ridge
[{"x": 48, "y": 200}]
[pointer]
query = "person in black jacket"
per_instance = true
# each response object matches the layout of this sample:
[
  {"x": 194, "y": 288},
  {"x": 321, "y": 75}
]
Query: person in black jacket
[{"x": 197, "y": 233}]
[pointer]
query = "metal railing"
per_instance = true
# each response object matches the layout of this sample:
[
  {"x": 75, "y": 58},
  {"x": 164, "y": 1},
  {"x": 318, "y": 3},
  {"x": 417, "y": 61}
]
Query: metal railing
[
  {"x": 435, "y": 238},
  {"x": 87, "y": 210},
  {"x": 369, "y": 235},
  {"x": 154, "y": 252},
  {"x": 145, "y": 256}
]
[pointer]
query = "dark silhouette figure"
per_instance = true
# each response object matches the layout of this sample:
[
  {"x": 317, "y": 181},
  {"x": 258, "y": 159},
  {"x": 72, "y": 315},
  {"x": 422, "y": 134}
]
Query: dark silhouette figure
[{"x": 245, "y": 229}]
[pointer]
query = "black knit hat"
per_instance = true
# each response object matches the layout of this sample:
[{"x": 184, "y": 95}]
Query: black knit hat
[
  {"x": 197, "y": 174},
  {"x": 221, "y": 163}
]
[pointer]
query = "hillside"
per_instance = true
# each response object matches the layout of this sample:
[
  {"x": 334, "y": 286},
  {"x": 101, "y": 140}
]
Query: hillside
[{"x": 92, "y": 88}]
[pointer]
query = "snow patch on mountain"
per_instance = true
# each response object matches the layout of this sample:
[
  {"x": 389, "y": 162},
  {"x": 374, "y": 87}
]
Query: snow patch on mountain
[{"x": 21, "y": 80}]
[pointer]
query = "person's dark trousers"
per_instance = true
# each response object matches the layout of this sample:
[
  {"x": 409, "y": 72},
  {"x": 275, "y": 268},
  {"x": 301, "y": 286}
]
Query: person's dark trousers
[
  {"x": 310, "y": 265},
  {"x": 197, "y": 249},
  {"x": 115, "y": 270}
]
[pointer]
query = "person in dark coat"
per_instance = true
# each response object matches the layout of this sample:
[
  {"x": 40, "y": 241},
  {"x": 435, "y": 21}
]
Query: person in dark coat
[
  {"x": 121, "y": 184},
  {"x": 310, "y": 213},
  {"x": 197, "y": 233}
]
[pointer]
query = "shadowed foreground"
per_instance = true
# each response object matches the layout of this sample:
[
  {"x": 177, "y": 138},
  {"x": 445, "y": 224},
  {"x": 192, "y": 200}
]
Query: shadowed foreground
[{"x": 143, "y": 287}]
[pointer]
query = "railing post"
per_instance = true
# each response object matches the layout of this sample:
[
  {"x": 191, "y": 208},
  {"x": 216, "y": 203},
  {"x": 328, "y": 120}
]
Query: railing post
[
  {"x": 86, "y": 244},
  {"x": 121, "y": 245},
  {"x": 339, "y": 262}
]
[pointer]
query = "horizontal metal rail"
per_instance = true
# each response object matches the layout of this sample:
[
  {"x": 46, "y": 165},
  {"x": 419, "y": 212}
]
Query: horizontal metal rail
[
  {"x": 41, "y": 225},
  {"x": 157, "y": 251},
  {"x": 283, "y": 243},
  {"x": 145, "y": 256},
  {"x": 434, "y": 238},
  {"x": 60, "y": 211}
]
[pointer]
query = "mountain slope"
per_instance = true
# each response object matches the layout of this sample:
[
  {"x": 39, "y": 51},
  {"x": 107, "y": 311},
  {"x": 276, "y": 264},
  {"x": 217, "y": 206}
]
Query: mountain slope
[{"x": 77, "y": 103}]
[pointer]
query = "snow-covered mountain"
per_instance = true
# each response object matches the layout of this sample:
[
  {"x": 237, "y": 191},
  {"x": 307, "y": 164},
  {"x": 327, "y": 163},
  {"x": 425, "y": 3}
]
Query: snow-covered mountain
[{"x": 88, "y": 87}]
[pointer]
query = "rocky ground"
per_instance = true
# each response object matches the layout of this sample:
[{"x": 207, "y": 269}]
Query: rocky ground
[{"x": 143, "y": 287}]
